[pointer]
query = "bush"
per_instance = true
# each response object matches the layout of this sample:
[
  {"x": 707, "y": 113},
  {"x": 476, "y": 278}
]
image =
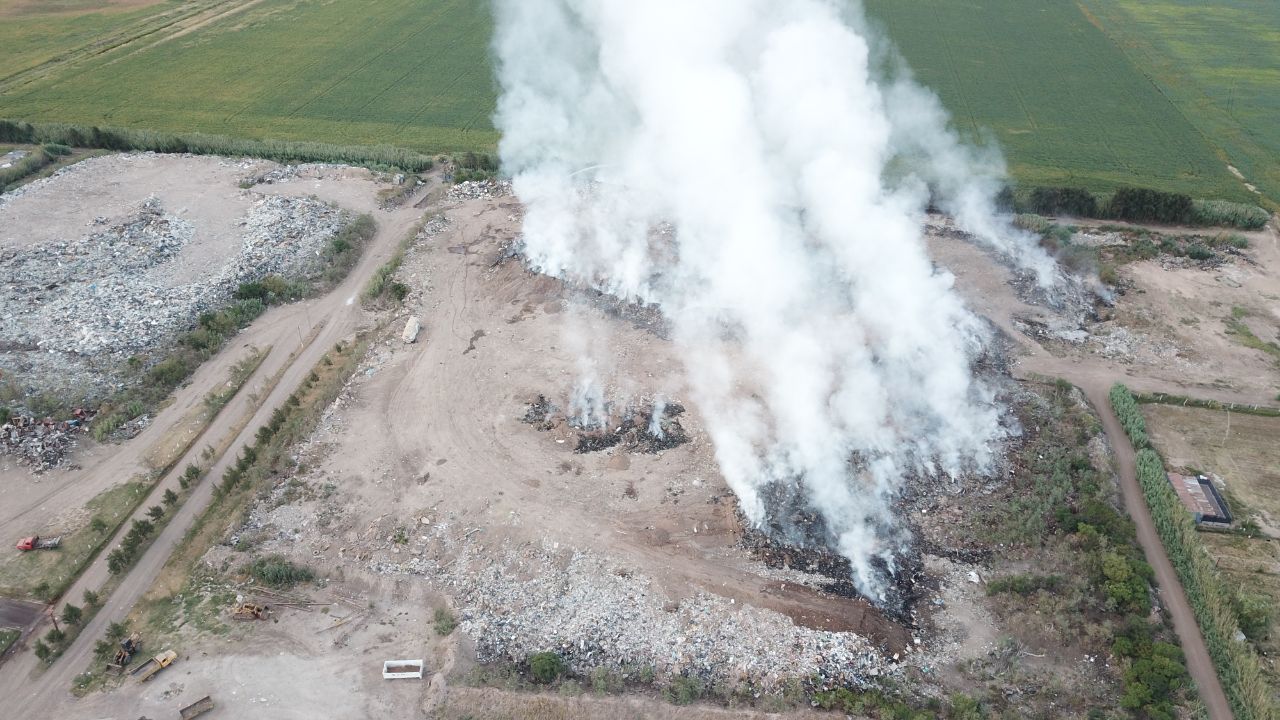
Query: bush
[
  {"x": 1130, "y": 415},
  {"x": 278, "y": 571},
  {"x": 117, "y": 561},
  {"x": 1254, "y": 611},
  {"x": 1144, "y": 205},
  {"x": 42, "y": 651},
  {"x": 1233, "y": 240},
  {"x": 170, "y": 372},
  {"x": 1063, "y": 201},
  {"x": 1229, "y": 214},
  {"x": 545, "y": 667},
  {"x": 270, "y": 290},
  {"x": 28, "y": 165},
  {"x": 1023, "y": 584},
  {"x": 445, "y": 622},
  {"x": 1197, "y": 251},
  {"x": 71, "y": 614},
  {"x": 91, "y": 598},
  {"x": 189, "y": 475},
  {"x": 684, "y": 690},
  {"x": 170, "y": 497},
  {"x": 98, "y": 525},
  {"x": 104, "y": 650}
]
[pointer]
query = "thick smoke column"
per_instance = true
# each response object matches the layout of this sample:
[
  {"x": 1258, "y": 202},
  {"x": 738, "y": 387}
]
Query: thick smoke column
[{"x": 737, "y": 163}]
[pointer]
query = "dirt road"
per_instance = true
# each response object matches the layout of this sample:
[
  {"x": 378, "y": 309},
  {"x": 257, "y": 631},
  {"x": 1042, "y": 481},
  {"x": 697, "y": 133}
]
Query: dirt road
[
  {"x": 1199, "y": 664},
  {"x": 299, "y": 335},
  {"x": 989, "y": 291}
]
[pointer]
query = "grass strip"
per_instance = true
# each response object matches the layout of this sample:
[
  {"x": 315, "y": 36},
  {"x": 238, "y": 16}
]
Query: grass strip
[{"x": 377, "y": 157}]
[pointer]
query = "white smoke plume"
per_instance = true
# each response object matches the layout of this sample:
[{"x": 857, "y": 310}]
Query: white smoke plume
[
  {"x": 739, "y": 164},
  {"x": 655, "y": 418}
]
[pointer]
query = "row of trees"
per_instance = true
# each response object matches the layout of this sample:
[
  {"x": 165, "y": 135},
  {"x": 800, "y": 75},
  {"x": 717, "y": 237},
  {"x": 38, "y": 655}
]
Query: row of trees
[
  {"x": 109, "y": 138},
  {"x": 1214, "y": 605},
  {"x": 1141, "y": 205}
]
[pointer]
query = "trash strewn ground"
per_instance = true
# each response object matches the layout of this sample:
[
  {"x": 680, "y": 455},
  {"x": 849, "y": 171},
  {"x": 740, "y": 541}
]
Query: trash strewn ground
[
  {"x": 42, "y": 443},
  {"x": 77, "y": 302}
]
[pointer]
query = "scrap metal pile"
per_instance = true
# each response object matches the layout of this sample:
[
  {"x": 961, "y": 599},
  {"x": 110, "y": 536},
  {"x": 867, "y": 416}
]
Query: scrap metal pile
[{"x": 42, "y": 443}]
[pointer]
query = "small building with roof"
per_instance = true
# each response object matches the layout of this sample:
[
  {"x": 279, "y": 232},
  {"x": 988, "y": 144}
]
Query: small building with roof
[{"x": 1201, "y": 498}]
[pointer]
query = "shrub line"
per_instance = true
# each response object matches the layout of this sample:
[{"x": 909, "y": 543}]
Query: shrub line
[
  {"x": 376, "y": 157},
  {"x": 1236, "y": 662}
]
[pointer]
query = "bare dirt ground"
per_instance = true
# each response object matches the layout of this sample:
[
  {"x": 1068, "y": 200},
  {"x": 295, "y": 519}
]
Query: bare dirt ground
[
  {"x": 1166, "y": 333},
  {"x": 1239, "y": 450},
  {"x": 425, "y": 488},
  {"x": 203, "y": 189},
  {"x": 298, "y": 335}
]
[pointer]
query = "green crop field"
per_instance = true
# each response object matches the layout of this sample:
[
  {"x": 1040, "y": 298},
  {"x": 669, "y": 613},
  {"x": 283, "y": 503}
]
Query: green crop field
[
  {"x": 1099, "y": 93},
  {"x": 412, "y": 73},
  {"x": 1065, "y": 103},
  {"x": 1219, "y": 63}
]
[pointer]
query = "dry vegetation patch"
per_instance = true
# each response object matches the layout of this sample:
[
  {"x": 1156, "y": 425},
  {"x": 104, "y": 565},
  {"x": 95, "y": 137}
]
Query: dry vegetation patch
[{"x": 1241, "y": 450}]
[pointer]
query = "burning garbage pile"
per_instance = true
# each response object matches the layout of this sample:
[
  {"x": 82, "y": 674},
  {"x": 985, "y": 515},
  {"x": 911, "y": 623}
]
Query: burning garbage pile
[
  {"x": 649, "y": 427},
  {"x": 797, "y": 537},
  {"x": 742, "y": 194},
  {"x": 42, "y": 443}
]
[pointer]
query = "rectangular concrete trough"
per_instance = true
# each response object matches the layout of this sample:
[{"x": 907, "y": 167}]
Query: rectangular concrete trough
[{"x": 397, "y": 669}]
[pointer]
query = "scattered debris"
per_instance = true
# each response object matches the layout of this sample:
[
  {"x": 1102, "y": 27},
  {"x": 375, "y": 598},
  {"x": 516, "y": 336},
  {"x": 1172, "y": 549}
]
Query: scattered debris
[
  {"x": 411, "y": 328},
  {"x": 516, "y": 601},
  {"x": 42, "y": 444},
  {"x": 479, "y": 190}
]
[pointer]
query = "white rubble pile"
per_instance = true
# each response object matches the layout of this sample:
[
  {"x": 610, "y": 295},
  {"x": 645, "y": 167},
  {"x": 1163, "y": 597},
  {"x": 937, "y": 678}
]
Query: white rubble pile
[
  {"x": 518, "y": 601},
  {"x": 479, "y": 190},
  {"x": 282, "y": 173},
  {"x": 90, "y": 302}
]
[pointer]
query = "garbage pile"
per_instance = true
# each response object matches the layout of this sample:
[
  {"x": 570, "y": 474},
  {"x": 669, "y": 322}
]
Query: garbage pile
[
  {"x": 516, "y": 601},
  {"x": 284, "y": 173},
  {"x": 479, "y": 190},
  {"x": 42, "y": 443},
  {"x": 73, "y": 310}
]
